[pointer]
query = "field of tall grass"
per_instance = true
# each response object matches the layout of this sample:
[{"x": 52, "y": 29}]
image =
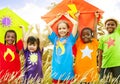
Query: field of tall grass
[{"x": 46, "y": 59}]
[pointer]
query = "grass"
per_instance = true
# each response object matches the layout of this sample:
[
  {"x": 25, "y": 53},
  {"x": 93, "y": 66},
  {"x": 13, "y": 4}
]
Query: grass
[{"x": 47, "y": 73}]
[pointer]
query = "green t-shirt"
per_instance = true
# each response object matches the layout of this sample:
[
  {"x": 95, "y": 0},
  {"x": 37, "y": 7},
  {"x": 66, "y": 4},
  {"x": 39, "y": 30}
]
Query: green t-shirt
[{"x": 110, "y": 44}]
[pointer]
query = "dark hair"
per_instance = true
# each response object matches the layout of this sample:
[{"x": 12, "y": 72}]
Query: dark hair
[
  {"x": 111, "y": 19},
  {"x": 12, "y": 31},
  {"x": 32, "y": 40},
  {"x": 87, "y": 28}
]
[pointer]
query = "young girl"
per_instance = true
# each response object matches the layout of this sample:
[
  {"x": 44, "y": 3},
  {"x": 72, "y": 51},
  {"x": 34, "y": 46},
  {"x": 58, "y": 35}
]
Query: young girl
[
  {"x": 62, "y": 59},
  {"x": 109, "y": 49},
  {"x": 86, "y": 57},
  {"x": 33, "y": 57},
  {"x": 9, "y": 57}
]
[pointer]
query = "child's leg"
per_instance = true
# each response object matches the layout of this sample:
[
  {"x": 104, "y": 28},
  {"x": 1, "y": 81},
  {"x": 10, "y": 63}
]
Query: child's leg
[{"x": 68, "y": 82}]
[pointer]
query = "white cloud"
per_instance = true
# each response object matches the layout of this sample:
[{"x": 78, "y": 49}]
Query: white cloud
[
  {"x": 110, "y": 8},
  {"x": 32, "y": 14}
]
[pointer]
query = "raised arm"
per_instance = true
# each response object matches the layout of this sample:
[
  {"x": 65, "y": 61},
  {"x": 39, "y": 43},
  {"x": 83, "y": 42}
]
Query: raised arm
[
  {"x": 52, "y": 22},
  {"x": 39, "y": 36},
  {"x": 74, "y": 22},
  {"x": 25, "y": 35},
  {"x": 95, "y": 24}
]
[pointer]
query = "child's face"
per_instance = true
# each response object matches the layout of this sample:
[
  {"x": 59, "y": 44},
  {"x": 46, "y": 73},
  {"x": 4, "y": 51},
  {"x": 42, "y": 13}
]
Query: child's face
[
  {"x": 63, "y": 29},
  {"x": 86, "y": 36},
  {"x": 32, "y": 47},
  {"x": 110, "y": 26},
  {"x": 10, "y": 38}
]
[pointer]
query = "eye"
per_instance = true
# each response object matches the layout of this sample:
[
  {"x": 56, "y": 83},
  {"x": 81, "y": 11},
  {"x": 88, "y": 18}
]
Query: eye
[
  {"x": 108, "y": 24},
  {"x": 7, "y": 36},
  {"x": 59, "y": 28},
  {"x": 112, "y": 24}
]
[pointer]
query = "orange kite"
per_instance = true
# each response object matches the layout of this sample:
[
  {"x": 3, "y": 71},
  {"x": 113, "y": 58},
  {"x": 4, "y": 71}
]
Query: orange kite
[
  {"x": 87, "y": 13},
  {"x": 87, "y": 16}
]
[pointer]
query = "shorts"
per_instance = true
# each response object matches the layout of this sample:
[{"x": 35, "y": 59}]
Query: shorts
[{"x": 114, "y": 71}]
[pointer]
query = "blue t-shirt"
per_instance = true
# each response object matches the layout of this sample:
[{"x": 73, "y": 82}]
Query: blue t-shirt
[{"x": 62, "y": 58}]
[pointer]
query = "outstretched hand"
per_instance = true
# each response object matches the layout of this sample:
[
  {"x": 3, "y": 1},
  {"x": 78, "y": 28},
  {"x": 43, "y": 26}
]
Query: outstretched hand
[
  {"x": 97, "y": 14},
  {"x": 21, "y": 26},
  {"x": 30, "y": 27},
  {"x": 77, "y": 14},
  {"x": 37, "y": 27}
]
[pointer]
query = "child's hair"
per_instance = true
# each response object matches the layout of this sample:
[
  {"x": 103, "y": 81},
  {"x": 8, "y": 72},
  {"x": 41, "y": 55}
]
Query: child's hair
[
  {"x": 63, "y": 21},
  {"x": 12, "y": 31},
  {"x": 111, "y": 19},
  {"x": 87, "y": 28},
  {"x": 32, "y": 40}
]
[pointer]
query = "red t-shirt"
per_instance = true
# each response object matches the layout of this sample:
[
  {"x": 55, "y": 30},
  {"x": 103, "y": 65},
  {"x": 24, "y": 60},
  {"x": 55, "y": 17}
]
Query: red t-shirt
[{"x": 10, "y": 59}]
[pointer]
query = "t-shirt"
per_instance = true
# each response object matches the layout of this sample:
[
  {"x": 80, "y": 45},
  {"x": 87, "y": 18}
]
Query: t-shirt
[
  {"x": 62, "y": 58},
  {"x": 33, "y": 64},
  {"x": 110, "y": 44},
  {"x": 10, "y": 59},
  {"x": 86, "y": 60}
]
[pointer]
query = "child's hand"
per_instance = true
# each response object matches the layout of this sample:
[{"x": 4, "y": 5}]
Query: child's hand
[
  {"x": 97, "y": 14},
  {"x": 21, "y": 26},
  {"x": 30, "y": 27},
  {"x": 58, "y": 15},
  {"x": 77, "y": 14},
  {"x": 37, "y": 27},
  {"x": 98, "y": 68},
  {"x": 66, "y": 14}
]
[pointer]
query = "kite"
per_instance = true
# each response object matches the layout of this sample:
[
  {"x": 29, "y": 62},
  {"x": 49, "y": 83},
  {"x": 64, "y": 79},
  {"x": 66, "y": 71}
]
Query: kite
[
  {"x": 87, "y": 13},
  {"x": 10, "y": 20}
]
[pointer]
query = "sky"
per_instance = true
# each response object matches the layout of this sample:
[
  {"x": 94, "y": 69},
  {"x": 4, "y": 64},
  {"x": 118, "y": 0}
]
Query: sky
[{"x": 32, "y": 10}]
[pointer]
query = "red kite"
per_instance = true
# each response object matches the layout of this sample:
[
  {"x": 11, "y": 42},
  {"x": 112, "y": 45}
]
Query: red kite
[{"x": 87, "y": 12}]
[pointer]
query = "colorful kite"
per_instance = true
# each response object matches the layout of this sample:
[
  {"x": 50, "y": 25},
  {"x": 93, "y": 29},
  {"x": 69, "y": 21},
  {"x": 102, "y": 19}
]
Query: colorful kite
[
  {"x": 10, "y": 20},
  {"x": 87, "y": 12}
]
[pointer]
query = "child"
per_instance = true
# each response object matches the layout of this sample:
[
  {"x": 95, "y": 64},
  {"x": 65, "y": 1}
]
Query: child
[
  {"x": 9, "y": 58},
  {"x": 86, "y": 57},
  {"x": 111, "y": 25},
  {"x": 62, "y": 59},
  {"x": 109, "y": 49},
  {"x": 33, "y": 57}
]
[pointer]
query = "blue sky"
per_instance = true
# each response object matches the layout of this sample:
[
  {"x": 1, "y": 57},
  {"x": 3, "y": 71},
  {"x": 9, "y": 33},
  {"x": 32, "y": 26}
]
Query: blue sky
[
  {"x": 32, "y": 10},
  {"x": 21, "y": 3}
]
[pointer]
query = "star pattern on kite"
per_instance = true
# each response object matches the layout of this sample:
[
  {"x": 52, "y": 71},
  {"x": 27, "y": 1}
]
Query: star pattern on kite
[
  {"x": 86, "y": 52},
  {"x": 110, "y": 42}
]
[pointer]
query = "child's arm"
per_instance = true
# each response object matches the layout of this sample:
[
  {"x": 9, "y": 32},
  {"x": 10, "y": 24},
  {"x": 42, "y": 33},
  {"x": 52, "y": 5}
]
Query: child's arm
[
  {"x": 39, "y": 36},
  {"x": 51, "y": 23},
  {"x": 95, "y": 25},
  {"x": 75, "y": 24},
  {"x": 25, "y": 35},
  {"x": 99, "y": 59}
]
